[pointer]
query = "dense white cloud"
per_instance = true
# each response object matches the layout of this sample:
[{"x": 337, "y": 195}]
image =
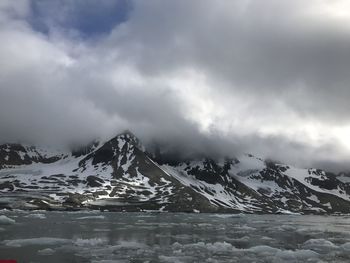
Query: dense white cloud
[{"x": 269, "y": 77}]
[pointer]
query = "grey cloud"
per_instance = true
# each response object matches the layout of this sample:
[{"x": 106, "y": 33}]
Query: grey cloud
[
  {"x": 266, "y": 63},
  {"x": 254, "y": 48}
]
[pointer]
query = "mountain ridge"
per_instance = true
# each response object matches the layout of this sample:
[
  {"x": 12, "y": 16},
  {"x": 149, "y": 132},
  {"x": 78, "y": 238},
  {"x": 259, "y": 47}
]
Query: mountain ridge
[{"x": 120, "y": 175}]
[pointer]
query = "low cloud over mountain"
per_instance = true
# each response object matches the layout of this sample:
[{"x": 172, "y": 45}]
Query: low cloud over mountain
[{"x": 217, "y": 77}]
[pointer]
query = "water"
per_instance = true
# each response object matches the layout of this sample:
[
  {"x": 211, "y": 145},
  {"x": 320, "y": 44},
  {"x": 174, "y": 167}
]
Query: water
[{"x": 139, "y": 237}]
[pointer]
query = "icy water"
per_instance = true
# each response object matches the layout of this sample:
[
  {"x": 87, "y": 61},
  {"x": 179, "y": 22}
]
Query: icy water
[{"x": 140, "y": 237}]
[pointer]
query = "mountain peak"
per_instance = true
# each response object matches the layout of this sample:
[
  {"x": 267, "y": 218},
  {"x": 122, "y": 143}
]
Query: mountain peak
[{"x": 127, "y": 137}]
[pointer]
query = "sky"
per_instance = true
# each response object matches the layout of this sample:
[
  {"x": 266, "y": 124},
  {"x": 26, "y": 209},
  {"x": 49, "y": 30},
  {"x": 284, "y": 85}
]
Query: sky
[{"x": 222, "y": 77}]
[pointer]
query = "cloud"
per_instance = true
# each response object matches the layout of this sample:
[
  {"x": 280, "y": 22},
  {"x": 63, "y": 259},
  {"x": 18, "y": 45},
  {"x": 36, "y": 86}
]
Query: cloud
[{"x": 219, "y": 77}]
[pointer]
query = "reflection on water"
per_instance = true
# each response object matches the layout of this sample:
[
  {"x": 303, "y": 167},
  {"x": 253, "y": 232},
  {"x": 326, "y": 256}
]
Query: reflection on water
[{"x": 136, "y": 237}]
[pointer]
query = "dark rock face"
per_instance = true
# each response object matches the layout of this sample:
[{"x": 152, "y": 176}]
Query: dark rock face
[
  {"x": 94, "y": 181},
  {"x": 210, "y": 173},
  {"x": 75, "y": 200},
  {"x": 7, "y": 186},
  {"x": 119, "y": 175},
  {"x": 16, "y": 154},
  {"x": 84, "y": 150}
]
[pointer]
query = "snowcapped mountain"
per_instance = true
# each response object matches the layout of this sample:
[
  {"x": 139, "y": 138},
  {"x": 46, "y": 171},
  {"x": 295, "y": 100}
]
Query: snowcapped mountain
[{"x": 119, "y": 175}]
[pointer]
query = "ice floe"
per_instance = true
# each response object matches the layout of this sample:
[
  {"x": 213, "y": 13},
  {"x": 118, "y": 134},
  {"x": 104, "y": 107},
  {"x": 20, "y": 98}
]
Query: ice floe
[
  {"x": 36, "y": 241},
  {"x": 4, "y": 220},
  {"x": 91, "y": 217},
  {"x": 38, "y": 216},
  {"x": 46, "y": 251},
  {"x": 320, "y": 245}
]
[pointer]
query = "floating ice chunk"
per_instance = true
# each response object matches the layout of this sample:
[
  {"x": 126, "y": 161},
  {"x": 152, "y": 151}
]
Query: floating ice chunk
[
  {"x": 217, "y": 246},
  {"x": 110, "y": 261},
  {"x": 286, "y": 228},
  {"x": 172, "y": 259},
  {"x": 264, "y": 249},
  {"x": 130, "y": 245},
  {"x": 176, "y": 246},
  {"x": 246, "y": 228},
  {"x": 322, "y": 246},
  {"x": 242, "y": 241},
  {"x": 89, "y": 242},
  {"x": 346, "y": 246},
  {"x": 265, "y": 238},
  {"x": 102, "y": 229},
  {"x": 91, "y": 217},
  {"x": 227, "y": 215},
  {"x": 220, "y": 246},
  {"x": 4, "y": 220},
  {"x": 39, "y": 216},
  {"x": 46, "y": 252},
  {"x": 49, "y": 241},
  {"x": 295, "y": 256},
  {"x": 183, "y": 237}
]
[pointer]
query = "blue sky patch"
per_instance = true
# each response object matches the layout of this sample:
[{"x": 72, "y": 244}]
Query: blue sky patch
[{"x": 89, "y": 18}]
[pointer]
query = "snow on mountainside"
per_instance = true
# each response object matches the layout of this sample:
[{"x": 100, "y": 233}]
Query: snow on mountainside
[{"x": 119, "y": 175}]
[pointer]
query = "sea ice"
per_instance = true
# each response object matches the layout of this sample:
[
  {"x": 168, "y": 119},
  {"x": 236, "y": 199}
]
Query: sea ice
[
  {"x": 89, "y": 242},
  {"x": 91, "y": 217},
  {"x": 4, "y": 220},
  {"x": 36, "y": 241},
  {"x": 320, "y": 245},
  {"x": 39, "y": 216},
  {"x": 46, "y": 251}
]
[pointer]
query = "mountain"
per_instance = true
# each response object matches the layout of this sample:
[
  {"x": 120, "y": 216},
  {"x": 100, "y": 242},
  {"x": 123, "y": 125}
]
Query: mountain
[{"x": 120, "y": 175}]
